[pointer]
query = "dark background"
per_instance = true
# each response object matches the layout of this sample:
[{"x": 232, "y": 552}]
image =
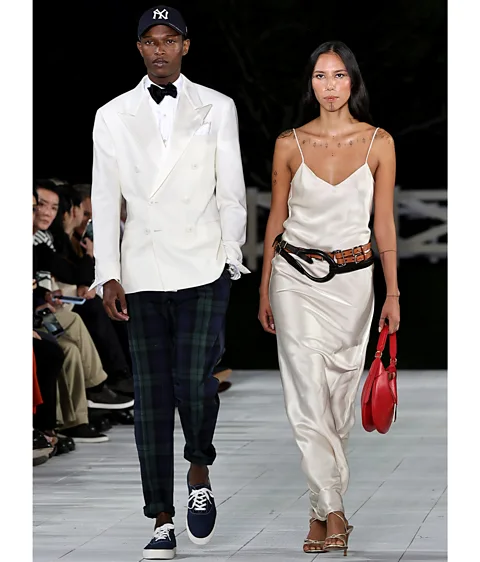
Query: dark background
[{"x": 255, "y": 51}]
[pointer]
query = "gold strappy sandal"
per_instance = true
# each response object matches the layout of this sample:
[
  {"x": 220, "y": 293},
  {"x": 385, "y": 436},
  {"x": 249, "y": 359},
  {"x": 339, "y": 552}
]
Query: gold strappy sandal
[
  {"x": 339, "y": 536},
  {"x": 316, "y": 544}
]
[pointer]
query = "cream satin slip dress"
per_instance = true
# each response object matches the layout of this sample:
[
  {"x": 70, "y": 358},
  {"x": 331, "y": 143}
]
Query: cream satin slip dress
[{"x": 323, "y": 328}]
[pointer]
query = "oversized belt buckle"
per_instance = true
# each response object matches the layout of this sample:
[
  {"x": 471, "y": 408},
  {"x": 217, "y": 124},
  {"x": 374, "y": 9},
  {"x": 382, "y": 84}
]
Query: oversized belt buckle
[{"x": 332, "y": 265}]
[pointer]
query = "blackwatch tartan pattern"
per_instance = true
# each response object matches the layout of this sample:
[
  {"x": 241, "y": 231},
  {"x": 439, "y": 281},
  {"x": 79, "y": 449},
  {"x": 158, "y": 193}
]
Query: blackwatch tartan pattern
[{"x": 176, "y": 338}]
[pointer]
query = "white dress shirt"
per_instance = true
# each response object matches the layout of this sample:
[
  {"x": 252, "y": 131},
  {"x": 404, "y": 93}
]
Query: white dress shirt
[{"x": 165, "y": 110}]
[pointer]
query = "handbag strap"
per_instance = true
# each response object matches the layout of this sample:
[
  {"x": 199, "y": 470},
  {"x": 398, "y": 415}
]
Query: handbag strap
[{"x": 382, "y": 340}]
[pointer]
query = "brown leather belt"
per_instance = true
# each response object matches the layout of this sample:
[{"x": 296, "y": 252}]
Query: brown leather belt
[
  {"x": 340, "y": 261},
  {"x": 342, "y": 257}
]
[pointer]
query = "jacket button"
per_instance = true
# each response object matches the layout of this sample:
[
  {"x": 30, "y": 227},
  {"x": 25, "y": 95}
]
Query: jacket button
[
  {"x": 147, "y": 231},
  {"x": 189, "y": 228},
  {"x": 186, "y": 199}
]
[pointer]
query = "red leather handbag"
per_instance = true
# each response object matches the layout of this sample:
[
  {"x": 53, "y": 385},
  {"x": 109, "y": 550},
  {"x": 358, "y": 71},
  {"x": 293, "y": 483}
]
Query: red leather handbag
[{"x": 379, "y": 394}]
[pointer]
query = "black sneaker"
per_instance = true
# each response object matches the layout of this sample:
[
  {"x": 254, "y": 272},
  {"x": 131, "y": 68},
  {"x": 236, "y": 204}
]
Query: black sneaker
[
  {"x": 102, "y": 424},
  {"x": 122, "y": 417},
  {"x": 62, "y": 447},
  {"x": 70, "y": 442},
  {"x": 201, "y": 514},
  {"x": 163, "y": 545},
  {"x": 108, "y": 400},
  {"x": 122, "y": 386},
  {"x": 84, "y": 434}
]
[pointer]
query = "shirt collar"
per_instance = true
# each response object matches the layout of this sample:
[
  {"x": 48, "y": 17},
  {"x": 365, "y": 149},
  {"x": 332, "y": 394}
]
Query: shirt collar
[{"x": 178, "y": 83}]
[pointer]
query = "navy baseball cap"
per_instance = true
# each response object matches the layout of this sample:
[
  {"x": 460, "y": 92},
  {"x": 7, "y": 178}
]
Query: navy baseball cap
[{"x": 162, "y": 15}]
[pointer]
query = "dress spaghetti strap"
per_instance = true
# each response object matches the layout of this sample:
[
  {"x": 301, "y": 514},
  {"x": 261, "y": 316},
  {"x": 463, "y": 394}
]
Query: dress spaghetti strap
[
  {"x": 298, "y": 144},
  {"x": 370, "y": 147}
]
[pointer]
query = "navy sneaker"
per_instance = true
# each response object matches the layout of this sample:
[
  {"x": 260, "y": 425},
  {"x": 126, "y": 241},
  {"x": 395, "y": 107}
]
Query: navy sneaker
[
  {"x": 201, "y": 514},
  {"x": 163, "y": 545}
]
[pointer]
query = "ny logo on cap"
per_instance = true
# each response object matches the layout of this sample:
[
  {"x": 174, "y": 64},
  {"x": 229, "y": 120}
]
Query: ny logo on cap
[{"x": 161, "y": 15}]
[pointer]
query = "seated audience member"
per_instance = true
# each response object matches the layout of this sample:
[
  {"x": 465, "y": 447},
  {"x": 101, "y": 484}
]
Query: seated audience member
[
  {"x": 72, "y": 266},
  {"x": 42, "y": 449},
  {"x": 84, "y": 233},
  {"x": 84, "y": 191},
  {"x": 82, "y": 376},
  {"x": 36, "y": 394},
  {"x": 49, "y": 362}
]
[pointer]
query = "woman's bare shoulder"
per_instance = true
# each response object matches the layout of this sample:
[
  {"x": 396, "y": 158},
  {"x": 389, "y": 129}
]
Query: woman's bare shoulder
[
  {"x": 285, "y": 141},
  {"x": 383, "y": 137}
]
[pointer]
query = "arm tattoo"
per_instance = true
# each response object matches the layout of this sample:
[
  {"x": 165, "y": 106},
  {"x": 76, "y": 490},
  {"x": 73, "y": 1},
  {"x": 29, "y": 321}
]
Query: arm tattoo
[
  {"x": 275, "y": 174},
  {"x": 287, "y": 133}
]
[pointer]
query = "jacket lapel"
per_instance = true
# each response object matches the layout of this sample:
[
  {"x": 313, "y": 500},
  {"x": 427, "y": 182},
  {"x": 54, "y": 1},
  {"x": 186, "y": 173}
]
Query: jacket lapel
[
  {"x": 189, "y": 116},
  {"x": 142, "y": 125}
]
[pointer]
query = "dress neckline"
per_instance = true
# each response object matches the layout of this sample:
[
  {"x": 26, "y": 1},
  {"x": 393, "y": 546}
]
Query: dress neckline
[{"x": 328, "y": 183}]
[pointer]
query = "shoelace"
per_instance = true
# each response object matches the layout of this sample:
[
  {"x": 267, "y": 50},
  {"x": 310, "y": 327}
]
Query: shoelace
[
  {"x": 198, "y": 499},
  {"x": 162, "y": 533}
]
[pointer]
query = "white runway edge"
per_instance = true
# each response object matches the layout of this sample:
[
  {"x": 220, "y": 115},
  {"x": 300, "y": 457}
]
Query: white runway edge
[{"x": 88, "y": 504}]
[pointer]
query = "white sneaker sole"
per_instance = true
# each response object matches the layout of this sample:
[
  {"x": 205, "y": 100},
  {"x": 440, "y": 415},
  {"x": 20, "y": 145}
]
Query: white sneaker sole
[
  {"x": 92, "y": 439},
  {"x": 197, "y": 540},
  {"x": 100, "y": 406},
  {"x": 152, "y": 554}
]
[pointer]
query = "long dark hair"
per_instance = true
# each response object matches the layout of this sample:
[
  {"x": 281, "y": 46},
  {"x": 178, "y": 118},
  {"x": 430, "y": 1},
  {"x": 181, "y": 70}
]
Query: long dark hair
[
  {"x": 358, "y": 104},
  {"x": 68, "y": 198}
]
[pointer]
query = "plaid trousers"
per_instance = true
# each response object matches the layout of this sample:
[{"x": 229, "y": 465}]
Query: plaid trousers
[{"x": 176, "y": 339}]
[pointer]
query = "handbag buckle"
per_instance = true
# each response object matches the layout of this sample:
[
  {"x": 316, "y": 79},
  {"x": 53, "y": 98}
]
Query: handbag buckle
[{"x": 378, "y": 355}]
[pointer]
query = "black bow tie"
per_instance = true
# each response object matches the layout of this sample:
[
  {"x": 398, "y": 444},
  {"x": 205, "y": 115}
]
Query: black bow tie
[{"x": 159, "y": 93}]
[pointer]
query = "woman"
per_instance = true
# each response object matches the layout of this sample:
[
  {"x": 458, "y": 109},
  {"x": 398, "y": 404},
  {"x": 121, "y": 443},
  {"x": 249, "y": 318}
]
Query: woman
[{"x": 326, "y": 176}]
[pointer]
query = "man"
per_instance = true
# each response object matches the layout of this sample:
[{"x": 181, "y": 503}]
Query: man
[
  {"x": 171, "y": 149},
  {"x": 82, "y": 240},
  {"x": 84, "y": 190}
]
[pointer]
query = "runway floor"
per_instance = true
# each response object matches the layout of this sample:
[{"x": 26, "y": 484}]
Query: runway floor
[{"x": 88, "y": 504}]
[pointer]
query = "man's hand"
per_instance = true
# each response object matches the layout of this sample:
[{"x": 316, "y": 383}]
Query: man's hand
[
  {"x": 84, "y": 293},
  {"x": 34, "y": 284},
  {"x": 113, "y": 292},
  {"x": 36, "y": 336}
]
